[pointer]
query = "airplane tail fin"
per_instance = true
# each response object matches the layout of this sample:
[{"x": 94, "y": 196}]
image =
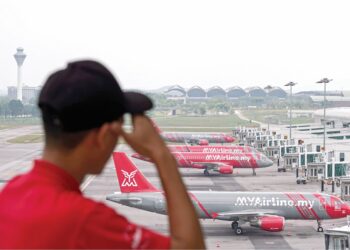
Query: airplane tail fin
[{"x": 129, "y": 176}]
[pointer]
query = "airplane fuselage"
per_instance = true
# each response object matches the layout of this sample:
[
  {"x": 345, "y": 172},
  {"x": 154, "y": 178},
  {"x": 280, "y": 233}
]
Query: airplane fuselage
[
  {"x": 210, "y": 204},
  {"x": 213, "y": 149},
  {"x": 264, "y": 210},
  {"x": 236, "y": 160},
  {"x": 215, "y": 160},
  {"x": 182, "y": 137}
]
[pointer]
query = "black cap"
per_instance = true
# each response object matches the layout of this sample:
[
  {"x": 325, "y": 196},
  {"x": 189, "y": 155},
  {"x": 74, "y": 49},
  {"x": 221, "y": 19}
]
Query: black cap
[{"x": 85, "y": 95}]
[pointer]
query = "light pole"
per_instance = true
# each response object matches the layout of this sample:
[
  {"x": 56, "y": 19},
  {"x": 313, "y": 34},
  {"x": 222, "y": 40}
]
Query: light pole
[
  {"x": 324, "y": 81},
  {"x": 268, "y": 120},
  {"x": 290, "y": 84},
  {"x": 19, "y": 57}
]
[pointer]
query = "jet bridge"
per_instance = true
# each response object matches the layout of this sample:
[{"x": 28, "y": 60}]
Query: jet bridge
[
  {"x": 337, "y": 238},
  {"x": 344, "y": 183}
]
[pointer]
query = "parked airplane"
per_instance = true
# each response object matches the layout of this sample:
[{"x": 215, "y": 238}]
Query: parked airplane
[
  {"x": 224, "y": 163},
  {"x": 195, "y": 138},
  {"x": 212, "y": 149},
  {"x": 265, "y": 210}
]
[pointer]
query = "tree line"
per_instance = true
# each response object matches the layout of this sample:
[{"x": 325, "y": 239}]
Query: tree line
[
  {"x": 16, "y": 108},
  {"x": 217, "y": 106}
]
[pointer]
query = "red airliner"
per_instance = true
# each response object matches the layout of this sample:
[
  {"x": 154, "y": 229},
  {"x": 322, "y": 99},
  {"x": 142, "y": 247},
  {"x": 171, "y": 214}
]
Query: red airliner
[
  {"x": 195, "y": 138},
  {"x": 224, "y": 163},
  {"x": 212, "y": 149},
  {"x": 265, "y": 210}
]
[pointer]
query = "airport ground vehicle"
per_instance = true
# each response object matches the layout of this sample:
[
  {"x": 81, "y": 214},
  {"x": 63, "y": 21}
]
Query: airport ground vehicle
[
  {"x": 281, "y": 169},
  {"x": 265, "y": 210},
  {"x": 301, "y": 180}
]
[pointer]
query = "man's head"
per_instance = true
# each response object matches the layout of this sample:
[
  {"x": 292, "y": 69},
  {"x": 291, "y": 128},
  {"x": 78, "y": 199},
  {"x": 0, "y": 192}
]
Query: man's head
[{"x": 82, "y": 109}]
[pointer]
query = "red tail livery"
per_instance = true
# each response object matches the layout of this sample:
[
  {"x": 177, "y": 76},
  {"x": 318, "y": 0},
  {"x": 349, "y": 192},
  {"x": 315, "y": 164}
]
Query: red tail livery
[{"x": 130, "y": 178}]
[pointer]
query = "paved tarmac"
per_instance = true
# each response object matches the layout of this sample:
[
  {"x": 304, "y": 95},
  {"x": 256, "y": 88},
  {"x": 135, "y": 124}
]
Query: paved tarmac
[{"x": 17, "y": 158}]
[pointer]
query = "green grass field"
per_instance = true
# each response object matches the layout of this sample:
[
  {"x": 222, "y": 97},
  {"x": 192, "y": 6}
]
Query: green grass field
[
  {"x": 30, "y": 138},
  {"x": 18, "y": 121},
  {"x": 212, "y": 122},
  {"x": 276, "y": 116},
  {"x": 202, "y": 122},
  {"x": 166, "y": 123}
]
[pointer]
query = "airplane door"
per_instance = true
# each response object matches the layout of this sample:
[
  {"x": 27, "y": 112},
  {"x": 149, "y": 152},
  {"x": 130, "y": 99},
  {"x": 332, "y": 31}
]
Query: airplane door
[
  {"x": 322, "y": 205},
  {"x": 337, "y": 205}
]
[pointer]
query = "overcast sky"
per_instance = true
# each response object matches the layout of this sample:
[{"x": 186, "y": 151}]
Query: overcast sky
[{"x": 149, "y": 44}]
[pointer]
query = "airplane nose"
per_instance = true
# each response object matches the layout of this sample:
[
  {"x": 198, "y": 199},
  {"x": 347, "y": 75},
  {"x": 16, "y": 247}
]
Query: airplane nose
[
  {"x": 269, "y": 162},
  {"x": 229, "y": 139},
  {"x": 347, "y": 209},
  {"x": 265, "y": 162}
]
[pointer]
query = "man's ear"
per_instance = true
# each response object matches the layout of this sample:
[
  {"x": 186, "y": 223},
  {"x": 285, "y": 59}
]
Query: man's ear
[{"x": 116, "y": 127}]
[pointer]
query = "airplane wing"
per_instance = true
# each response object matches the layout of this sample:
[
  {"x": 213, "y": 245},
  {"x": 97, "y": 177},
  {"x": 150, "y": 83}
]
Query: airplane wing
[
  {"x": 210, "y": 165},
  {"x": 202, "y": 142},
  {"x": 245, "y": 215},
  {"x": 124, "y": 200}
]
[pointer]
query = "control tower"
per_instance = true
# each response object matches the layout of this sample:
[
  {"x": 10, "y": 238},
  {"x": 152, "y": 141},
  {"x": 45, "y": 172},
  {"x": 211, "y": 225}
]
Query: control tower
[{"x": 19, "y": 57}]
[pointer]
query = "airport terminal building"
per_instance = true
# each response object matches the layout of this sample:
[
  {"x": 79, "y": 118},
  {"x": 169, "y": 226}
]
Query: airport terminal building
[{"x": 235, "y": 92}]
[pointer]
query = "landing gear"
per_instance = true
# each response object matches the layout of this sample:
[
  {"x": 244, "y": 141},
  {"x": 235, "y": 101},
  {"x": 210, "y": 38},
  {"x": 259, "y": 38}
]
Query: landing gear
[
  {"x": 319, "y": 226},
  {"x": 238, "y": 231},
  {"x": 206, "y": 172},
  {"x": 234, "y": 225},
  {"x": 236, "y": 228},
  {"x": 254, "y": 173}
]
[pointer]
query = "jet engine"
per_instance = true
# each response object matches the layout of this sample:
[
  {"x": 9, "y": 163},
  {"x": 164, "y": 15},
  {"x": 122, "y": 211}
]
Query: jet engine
[
  {"x": 203, "y": 142},
  {"x": 269, "y": 223},
  {"x": 225, "y": 169}
]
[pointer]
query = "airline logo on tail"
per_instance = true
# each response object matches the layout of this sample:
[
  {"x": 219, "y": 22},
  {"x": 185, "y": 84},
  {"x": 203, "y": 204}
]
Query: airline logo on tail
[{"x": 129, "y": 179}]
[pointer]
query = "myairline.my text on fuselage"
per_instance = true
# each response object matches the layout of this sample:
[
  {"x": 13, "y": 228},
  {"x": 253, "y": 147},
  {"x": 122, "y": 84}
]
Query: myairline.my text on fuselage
[
  {"x": 265, "y": 210},
  {"x": 223, "y": 163},
  {"x": 212, "y": 149}
]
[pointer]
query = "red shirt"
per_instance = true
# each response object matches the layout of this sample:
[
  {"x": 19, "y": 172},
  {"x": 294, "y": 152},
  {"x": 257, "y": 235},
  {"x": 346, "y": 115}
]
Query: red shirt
[{"x": 45, "y": 209}]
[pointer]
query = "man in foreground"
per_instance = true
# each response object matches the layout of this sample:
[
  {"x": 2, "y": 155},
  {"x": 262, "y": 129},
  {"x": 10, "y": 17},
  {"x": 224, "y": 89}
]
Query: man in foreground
[{"x": 82, "y": 110}]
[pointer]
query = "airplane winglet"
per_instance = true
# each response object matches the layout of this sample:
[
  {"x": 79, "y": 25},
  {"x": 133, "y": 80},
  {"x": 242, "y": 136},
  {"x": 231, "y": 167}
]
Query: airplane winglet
[{"x": 130, "y": 178}]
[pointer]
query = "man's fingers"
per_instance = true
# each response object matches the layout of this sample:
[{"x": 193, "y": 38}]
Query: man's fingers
[
  {"x": 125, "y": 135},
  {"x": 142, "y": 121},
  {"x": 134, "y": 143},
  {"x": 137, "y": 119},
  {"x": 129, "y": 138}
]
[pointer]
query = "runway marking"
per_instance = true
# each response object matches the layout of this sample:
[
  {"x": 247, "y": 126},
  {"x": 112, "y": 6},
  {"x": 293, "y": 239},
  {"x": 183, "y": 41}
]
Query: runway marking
[{"x": 86, "y": 183}]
